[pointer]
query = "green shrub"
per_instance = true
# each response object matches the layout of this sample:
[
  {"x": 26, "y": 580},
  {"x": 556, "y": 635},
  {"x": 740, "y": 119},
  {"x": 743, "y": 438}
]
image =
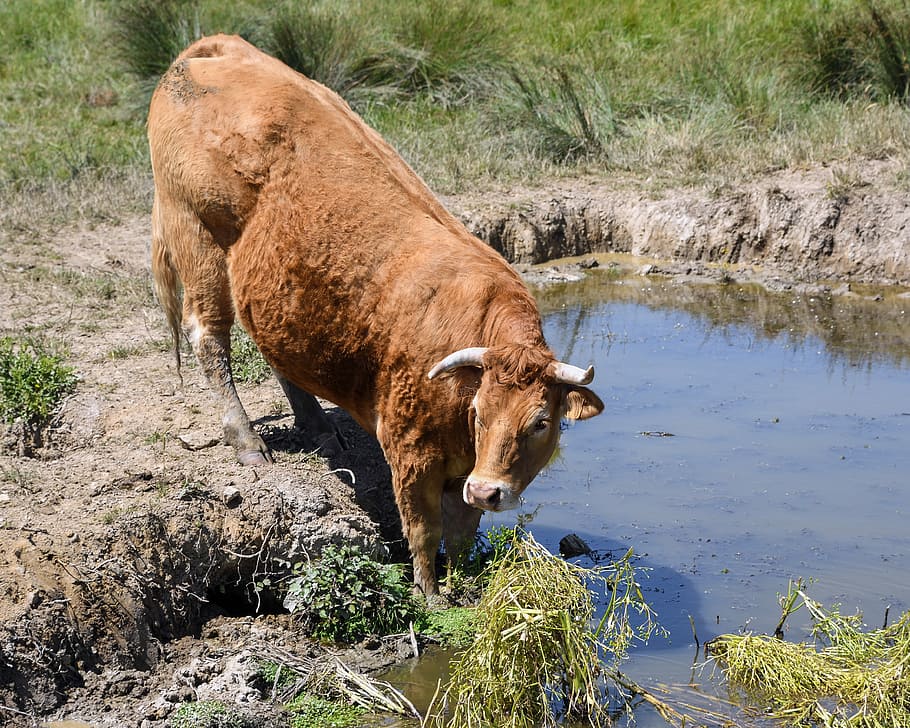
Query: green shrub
[
  {"x": 328, "y": 45},
  {"x": 33, "y": 383},
  {"x": 151, "y": 33},
  {"x": 346, "y": 596}
]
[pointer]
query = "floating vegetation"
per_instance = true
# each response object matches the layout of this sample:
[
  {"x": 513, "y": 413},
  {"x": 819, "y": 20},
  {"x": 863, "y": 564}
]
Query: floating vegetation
[
  {"x": 848, "y": 678},
  {"x": 540, "y": 655}
]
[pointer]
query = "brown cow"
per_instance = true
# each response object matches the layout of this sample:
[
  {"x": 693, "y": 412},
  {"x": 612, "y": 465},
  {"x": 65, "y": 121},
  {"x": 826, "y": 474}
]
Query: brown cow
[{"x": 275, "y": 202}]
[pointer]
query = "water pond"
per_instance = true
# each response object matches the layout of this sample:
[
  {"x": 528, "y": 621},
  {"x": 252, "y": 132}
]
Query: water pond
[{"x": 749, "y": 438}]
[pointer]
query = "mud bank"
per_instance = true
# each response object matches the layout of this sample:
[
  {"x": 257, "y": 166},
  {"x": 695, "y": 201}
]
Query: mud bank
[{"x": 795, "y": 226}]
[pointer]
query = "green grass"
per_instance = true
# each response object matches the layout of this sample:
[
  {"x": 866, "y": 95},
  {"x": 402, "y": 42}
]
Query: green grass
[
  {"x": 474, "y": 94},
  {"x": 247, "y": 363},
  {"x": 310, "y": 711}
]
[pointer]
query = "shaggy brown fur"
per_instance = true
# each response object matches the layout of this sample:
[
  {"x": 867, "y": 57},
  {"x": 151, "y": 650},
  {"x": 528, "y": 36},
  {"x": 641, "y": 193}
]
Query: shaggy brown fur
[{"x": 275, "y": 201}]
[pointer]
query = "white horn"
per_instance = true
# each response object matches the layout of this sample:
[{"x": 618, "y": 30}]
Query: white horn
[
  {"x": 567, "y": 374},
  {"x": 471, "y": 357}
]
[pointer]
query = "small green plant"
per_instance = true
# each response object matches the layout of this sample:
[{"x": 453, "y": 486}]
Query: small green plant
[
  {"x": 33, "y": 383},
  {"x": 125, "y": 352},
  {"x": 310, "y": 711},
  {"x": 454, "y": 627},
  {"x": 209, "y": 714},
  {"x": 345, "y": 596},
  {"x": 271, "y": 674},
  {"x": 247, "y": 364}
]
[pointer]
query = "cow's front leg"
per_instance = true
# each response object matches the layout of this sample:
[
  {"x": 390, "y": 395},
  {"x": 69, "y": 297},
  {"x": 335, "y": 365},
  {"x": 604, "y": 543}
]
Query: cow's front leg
[
  {"x": 310, "y": 417},
  {"x": 212, "y": 347},
  {"x": 420, "y": 506},
  {"x": 459, "y": 525}
]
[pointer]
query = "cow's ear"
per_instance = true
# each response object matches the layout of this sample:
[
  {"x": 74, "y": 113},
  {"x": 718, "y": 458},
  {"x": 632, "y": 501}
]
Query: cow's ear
[
  {"x": 466, "y": 380},
  {"x": 582, "y": 403}
]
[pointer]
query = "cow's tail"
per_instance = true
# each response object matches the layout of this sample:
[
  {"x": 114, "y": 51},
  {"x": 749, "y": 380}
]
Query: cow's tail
[{"x": 167, "y": 285}]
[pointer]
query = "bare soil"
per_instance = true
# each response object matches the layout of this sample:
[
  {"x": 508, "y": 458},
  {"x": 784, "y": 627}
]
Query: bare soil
[{"x": 134, "y": 551}]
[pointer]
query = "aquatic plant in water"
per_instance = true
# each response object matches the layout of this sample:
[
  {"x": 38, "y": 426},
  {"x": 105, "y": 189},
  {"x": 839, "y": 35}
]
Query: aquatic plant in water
[
  {"x": 540, "y": 655},
  {"x": 848, "y": 678}
]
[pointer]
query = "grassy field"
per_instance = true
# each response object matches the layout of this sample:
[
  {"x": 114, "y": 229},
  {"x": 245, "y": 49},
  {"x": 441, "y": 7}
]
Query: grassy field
[{"x": 474, "y": 94}]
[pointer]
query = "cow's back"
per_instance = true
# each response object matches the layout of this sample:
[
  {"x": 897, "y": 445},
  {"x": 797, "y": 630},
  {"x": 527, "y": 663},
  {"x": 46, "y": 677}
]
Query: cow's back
[{"x": 228, "y": 123}]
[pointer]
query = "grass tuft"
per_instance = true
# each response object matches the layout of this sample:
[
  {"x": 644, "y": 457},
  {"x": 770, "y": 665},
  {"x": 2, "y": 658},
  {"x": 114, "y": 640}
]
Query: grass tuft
[
  {"x": 33, "y": 383},
  {"x": 325, "y": 43},
  {"x": 860, "y": 50},
  {"x": 151, "y": 33},
  {"x": 537, "y": 658},
  {"x": 247, "y": 363},
  {"x": 569, "y": 116}
]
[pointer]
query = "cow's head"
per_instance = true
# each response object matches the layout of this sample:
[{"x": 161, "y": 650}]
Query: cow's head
[{"x": 522, "y": 396}]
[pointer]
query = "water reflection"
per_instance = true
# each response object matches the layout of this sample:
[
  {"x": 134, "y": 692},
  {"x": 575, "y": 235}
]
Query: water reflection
[{"x": 855, "y": 329}]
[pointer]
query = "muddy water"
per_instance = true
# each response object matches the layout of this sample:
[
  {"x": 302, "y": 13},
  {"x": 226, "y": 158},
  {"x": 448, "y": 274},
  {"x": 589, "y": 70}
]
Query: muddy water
[{"x": 749, "y": 438}]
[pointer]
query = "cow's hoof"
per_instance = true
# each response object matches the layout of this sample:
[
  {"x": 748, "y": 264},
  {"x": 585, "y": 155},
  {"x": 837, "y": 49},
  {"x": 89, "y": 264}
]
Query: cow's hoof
[
  {"x": 330, "y": 445},
  {"x": 253, "y": 457}
]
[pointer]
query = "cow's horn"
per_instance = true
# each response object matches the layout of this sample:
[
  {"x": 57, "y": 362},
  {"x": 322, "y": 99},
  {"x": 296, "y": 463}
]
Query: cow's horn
[
  {"x": 567, "y": 374},
  {"x": 471, "y": 357}
]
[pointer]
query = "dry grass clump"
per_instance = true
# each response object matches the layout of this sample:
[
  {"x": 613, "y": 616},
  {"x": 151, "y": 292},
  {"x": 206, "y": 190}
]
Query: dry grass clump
[
  {"x": 848, "y": 678},
  {"x": 539, "y": 655}
]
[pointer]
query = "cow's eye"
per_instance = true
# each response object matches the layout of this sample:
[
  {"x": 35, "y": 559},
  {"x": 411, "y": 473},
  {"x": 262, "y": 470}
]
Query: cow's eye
[{"x": 541, "y": 425}]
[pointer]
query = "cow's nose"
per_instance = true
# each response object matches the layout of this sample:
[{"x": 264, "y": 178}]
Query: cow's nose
[
  {"x": 489, "y": 495},
  {"x": 494, "y": 498}
]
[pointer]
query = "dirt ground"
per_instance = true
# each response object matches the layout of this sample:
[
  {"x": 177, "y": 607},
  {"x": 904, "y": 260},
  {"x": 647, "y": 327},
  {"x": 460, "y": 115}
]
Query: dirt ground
[{"x": 133, "y": 549}]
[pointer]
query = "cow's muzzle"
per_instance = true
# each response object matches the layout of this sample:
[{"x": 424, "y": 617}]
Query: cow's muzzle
[{"x": 489, "y": 495}]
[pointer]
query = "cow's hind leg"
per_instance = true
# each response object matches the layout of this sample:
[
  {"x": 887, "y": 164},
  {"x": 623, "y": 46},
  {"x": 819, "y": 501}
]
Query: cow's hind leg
[
  {"x": 212, "y": 346},
  {"x": 310, "y": 417},
  {"x": 183, "y": 244}
]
